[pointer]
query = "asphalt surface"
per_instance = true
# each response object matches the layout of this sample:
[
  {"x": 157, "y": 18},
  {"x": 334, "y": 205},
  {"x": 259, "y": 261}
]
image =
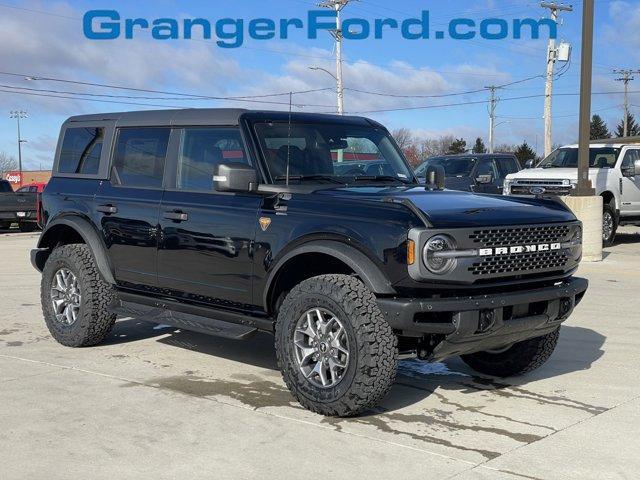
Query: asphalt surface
[{"x": 155, "y": 402}]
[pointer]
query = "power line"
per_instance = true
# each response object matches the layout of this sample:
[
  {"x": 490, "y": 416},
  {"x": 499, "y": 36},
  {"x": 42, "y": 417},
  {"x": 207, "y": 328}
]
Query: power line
[{"x": 146, "y": 90}]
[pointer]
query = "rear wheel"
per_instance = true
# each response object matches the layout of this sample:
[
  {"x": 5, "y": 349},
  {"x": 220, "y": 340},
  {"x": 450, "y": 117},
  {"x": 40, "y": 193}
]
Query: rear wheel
[
  {"x": 5, "y": 225},
  {"x": 75, "y": 298},
  {"x": 337, "y": 353},
  {"x": 520, "y": 358},
  {"x": 609, "y": 225}
]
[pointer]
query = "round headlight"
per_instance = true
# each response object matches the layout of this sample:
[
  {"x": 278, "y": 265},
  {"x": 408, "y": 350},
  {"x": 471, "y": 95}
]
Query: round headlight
[{"x": 435, "y": 254}]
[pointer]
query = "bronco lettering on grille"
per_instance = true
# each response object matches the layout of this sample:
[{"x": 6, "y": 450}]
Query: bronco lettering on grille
[{"x": 541, "y": 247}]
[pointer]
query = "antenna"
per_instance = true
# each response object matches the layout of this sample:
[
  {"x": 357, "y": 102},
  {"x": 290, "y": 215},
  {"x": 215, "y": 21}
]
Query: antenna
[{"x": 289, "y": 140}]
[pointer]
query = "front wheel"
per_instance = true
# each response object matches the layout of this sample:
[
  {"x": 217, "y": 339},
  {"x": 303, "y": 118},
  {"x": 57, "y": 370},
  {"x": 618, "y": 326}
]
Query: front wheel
[
  {"x": 609, "y": 225},
  {"x": 520, "y": 358},
  {"x": 337, "y": 353}
]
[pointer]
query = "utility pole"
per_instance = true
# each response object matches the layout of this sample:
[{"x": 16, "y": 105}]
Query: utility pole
[
  {"x": 493, "y": 102},
  {"x": 18, "y": 114},
  {"x": 626, "y": 76},
  {"x": 584, "y": 187},
  {"x": 551, "y": 61},
  {"x": 337, "y": 5}
]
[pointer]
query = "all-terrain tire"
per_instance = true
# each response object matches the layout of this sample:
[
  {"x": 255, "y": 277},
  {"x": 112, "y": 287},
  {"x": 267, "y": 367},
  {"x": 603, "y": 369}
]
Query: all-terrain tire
[
  {"x": 94, "y": 321},
  {"x": 520, "y": 358},
  {"x": 609, "y": 215},
  {"x": 373, "y": 346}
]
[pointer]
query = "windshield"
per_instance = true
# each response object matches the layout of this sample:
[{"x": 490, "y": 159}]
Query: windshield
[
  {"x": 453, "y": 166},
  {"x": 329, "y": 152},
  {"x": 604, "y": 157}
]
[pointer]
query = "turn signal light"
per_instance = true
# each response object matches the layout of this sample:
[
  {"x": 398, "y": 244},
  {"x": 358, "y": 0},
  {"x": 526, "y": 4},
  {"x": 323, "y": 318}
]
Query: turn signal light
[{"x": 411, "y": 252}]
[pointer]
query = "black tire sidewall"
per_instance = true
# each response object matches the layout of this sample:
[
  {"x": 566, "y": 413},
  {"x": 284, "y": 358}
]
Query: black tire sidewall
[{"x": 302, "y": 303}]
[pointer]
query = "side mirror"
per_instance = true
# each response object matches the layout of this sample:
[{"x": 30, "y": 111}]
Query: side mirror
[
  {"x": 235, "y": 177},
  {"x": 529, "y": 163},
  {"x": 484, "y": 179},
  {"x": 434, "y": 177}
]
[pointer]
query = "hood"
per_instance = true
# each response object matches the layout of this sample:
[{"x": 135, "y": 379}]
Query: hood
[
  {"x": 455, "y": 209},
  {"x": 551, "y": 174},
  {"x": 458, "y": 183}
]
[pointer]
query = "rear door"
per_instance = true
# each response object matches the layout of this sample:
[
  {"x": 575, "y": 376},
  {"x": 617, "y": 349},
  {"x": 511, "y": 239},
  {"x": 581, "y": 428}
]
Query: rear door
[
  {"x": 630, "y": 186},
  {"x": 205, "y": 252},
  {"x": 127, "y": 206}
]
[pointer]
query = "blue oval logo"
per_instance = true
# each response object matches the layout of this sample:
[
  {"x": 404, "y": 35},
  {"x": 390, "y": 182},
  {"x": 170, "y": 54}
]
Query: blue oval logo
[{"x": 537, "y": 190}]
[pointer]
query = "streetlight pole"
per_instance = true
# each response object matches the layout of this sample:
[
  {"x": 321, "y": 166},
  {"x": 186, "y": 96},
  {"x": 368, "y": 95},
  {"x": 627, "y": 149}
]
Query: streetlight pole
[{"x": 18, "y": 114}]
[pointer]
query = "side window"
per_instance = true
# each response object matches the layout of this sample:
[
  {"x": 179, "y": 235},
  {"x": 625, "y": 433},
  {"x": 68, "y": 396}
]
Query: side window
[
  {"x": 81, "y": 150},
  {"x": 140, "y": 156},
  {"x": 630, "y": 157},
  {"x": 23, "y": 190},
  {"x": 486, "y": 166},
  {"x": 202, "y": 150},
  {"x": 5, "y": 187},
  {"x": 507, "y": 166}
]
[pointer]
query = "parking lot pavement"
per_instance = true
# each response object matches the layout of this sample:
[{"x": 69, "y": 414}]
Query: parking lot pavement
[{"x": 158, "y": 402}]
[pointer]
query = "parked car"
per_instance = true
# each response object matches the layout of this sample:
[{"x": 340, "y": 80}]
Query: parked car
[
  {"x": 479, "y": 173},
  {"x": 18, "y": 207},
  {"x": 227, "y": 222},
  {"x": 614, "y": 172}
]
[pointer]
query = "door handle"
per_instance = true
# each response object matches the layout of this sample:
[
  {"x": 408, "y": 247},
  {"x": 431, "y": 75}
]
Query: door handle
[
  {"x": 107, "y": 209},
  {"x": 176, "y": 216}
]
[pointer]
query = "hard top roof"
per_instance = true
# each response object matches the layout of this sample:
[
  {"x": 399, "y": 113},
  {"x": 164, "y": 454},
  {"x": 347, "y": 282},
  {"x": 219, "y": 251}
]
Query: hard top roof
[{"x": 211, "y": 116}]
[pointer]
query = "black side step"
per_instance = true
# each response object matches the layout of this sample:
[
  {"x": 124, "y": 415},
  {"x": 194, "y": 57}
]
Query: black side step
[{"x": 189, "y": 317}]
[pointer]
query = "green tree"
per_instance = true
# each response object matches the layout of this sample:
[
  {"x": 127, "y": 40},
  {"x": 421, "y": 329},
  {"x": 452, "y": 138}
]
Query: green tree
[
  {"x": 633, "y": 127},
  {"x": 458, "y": 146},
  {"x": 598, "y": 128},
  {"x": 524, "y": 152},
  {"x": 479, "y": 146}
]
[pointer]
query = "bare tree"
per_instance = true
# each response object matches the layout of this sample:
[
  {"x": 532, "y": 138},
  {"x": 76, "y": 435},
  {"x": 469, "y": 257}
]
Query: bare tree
[
  {"x": 7, "y": 163},
  {"x": 404, "y": 138}
]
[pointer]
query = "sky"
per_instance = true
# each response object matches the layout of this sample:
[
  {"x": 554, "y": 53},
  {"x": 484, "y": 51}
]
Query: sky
[{"x": 45, "y": 39}]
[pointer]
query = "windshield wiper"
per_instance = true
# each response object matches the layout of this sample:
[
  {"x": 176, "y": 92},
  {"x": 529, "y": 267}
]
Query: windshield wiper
[
  {"x": 301, "y": 178},
  {"x": 380, "y": 178}
]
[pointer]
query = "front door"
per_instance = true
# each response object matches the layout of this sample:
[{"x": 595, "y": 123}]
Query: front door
[
  {"x": 630, "y": 186},
  {"x": 205, "y": 252},
  {"x": 127, "y": 206},
  {"x": 486, "y": 178}
]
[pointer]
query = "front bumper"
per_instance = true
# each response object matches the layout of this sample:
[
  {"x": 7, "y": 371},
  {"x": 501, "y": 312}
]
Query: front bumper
[{"x": 484, "y": 322}]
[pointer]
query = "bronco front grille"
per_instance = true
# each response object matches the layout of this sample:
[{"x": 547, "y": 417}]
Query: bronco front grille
[
  {"x": 498, "y": 237},
  {"x": 520, "y": 263}
]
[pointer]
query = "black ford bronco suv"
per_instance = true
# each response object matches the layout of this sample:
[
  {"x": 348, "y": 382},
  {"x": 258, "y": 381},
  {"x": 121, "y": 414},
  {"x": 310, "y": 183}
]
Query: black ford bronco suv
[{"x": 228, "y": 221}]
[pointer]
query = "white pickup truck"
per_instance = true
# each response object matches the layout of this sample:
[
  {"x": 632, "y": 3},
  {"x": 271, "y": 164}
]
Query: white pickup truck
[{"x": 614, "y": 172}]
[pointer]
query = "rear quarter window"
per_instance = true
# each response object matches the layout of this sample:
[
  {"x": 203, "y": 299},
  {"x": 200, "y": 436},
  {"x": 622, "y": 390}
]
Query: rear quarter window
[{"x": 81, "y": 150}]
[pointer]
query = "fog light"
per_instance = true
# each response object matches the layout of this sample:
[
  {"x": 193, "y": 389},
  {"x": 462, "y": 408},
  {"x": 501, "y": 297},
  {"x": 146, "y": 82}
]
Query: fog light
[
  {"x": 486, "y": 321},
  {"x": 566, "y": 304}
]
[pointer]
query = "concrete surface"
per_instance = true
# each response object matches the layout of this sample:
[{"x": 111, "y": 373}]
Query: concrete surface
[{"x": 155, "y": 402}]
